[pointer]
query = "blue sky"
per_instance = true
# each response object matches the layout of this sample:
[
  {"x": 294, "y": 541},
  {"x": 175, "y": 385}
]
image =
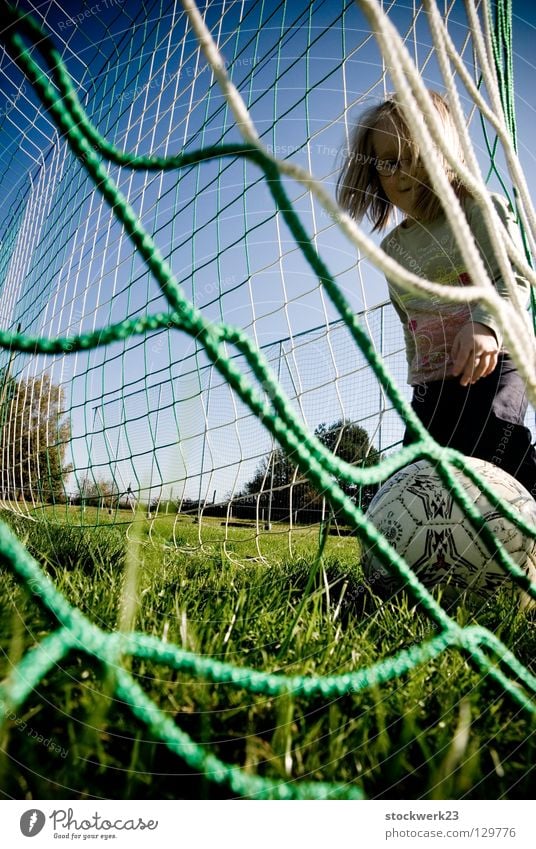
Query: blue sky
[{"x": 146, "y": 89}]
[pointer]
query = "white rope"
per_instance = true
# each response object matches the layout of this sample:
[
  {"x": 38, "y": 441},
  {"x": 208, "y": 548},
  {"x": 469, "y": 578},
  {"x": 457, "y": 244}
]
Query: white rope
[
  {"x": 348, "y": 226},
  {"x": 416, "y": 103},
  {"x": 216, "y": 62},
  {"x": 494, "y": 226},
  {"x": 517, "y": 331}
]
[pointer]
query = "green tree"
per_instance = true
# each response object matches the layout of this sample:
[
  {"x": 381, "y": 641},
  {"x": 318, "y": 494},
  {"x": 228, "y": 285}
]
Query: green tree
[
  {"x": 34, "y": 439},
  {"x": 273, "y": 478},
  {"x": 97, "y": 492},
  {"x": 351, "y": 443},
  {"x": 276, "y": 475}
]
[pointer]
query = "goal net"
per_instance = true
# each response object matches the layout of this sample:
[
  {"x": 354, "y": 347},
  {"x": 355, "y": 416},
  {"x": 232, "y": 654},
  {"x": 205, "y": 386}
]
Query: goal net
[{"x": 192, "y": 332}]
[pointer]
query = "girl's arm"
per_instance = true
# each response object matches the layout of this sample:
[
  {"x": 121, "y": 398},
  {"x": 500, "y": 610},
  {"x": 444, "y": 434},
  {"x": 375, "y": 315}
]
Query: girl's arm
[
  {"x": 476, "y": 347},
  {"x": 475, "y": 352},
  {"x": 483, "y": 242},
  {"x": 409, "y": 339}
]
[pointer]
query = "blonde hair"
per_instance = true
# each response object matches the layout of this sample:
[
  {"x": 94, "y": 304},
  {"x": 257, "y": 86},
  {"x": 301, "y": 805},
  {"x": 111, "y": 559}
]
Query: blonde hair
[{"x": 359, "y": 190}]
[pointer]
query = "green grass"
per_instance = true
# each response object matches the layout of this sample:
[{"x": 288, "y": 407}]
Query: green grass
[{"x": 442, "y": 731}]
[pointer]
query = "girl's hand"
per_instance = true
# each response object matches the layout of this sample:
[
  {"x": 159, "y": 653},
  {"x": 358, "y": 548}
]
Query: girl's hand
[{"x": 475, "y": 352}]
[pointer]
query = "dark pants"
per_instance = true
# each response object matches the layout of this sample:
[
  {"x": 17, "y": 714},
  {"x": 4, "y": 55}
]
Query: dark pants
[{"x": 485, "y": 420}]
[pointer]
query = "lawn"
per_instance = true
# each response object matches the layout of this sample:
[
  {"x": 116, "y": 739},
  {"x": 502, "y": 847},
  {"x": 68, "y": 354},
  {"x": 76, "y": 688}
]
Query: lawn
[{"x": 442, "y": 730}]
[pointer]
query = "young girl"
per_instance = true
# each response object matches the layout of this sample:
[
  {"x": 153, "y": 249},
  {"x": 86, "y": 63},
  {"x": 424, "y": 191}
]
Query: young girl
[{"x": 466, "y": 390}]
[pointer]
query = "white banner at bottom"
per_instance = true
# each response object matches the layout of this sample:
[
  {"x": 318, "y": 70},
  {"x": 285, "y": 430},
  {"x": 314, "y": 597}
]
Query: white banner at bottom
[{"x": 268, "y": 825}]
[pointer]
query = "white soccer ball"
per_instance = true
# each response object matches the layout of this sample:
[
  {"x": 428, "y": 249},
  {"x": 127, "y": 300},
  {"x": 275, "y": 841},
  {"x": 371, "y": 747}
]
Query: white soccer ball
[{"x": 418, "y": 516}]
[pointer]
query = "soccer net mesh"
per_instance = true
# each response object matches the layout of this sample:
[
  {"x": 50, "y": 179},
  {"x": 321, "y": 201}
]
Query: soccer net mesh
[
  {"x": 188, "y": 186},
  {"x": 148, "y": 420}
]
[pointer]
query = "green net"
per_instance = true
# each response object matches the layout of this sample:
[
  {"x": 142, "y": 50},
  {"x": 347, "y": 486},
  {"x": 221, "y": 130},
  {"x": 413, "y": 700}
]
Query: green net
[{"x": 104, "y": 192}]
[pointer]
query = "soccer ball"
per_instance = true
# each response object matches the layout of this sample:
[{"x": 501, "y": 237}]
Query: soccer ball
[{"x": 416, "y": 513}]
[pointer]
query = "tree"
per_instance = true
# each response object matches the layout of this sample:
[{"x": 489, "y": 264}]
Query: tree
[
  {"x": 276, "y": 476},
  {"x": 34, "y": 438}
]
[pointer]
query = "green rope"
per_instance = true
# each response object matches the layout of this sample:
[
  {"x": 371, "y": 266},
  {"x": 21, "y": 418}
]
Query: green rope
[{"x": 75, "y": 632}]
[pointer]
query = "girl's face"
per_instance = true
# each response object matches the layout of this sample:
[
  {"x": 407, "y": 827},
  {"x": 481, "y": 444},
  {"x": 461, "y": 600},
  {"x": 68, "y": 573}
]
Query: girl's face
[{"x": 401, "y": 179}]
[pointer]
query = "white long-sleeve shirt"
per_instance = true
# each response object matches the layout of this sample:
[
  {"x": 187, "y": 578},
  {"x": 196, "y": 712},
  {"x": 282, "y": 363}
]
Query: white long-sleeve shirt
[{"x": 430, "y": 250}]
